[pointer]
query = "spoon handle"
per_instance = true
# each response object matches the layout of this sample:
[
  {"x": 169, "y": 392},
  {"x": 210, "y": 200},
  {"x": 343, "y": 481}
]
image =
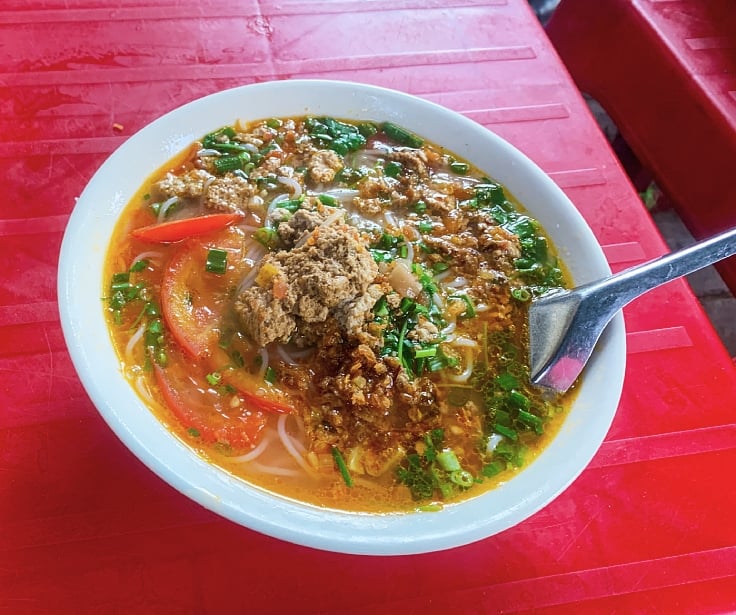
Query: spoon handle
[
  {"x": 631, "y": 283},
  {"x": 565, "y": 326}
]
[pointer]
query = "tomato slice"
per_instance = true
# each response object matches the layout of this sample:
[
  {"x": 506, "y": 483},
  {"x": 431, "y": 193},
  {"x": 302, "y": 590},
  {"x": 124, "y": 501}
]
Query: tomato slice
[
  {"x": 193, "y": 300},
  {"x": 213, "y": 417},
  {"x": 176, "y": 230},
  {"x": 252, "y": 388}
]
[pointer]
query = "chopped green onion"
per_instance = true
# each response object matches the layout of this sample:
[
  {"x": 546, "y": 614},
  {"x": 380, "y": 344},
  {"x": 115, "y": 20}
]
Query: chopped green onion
[
  {"x": 328, "y": 200},
  {"x": 193, "y": 431},
  {"x": 139, "y": 265},
  {"x": 234, "y": 148},
  {"x": 337, "y": 136},
  {"x": 342, "y": 466},
  {"x": 218, "y": 137},
  {"x": 448, "y": 460},
  {"x": 401, "y": 135},
  {"x": 214, "y": 378},
  {"x": 439, "y": 267},
  {"x": 380, "y": 309},
  {"x": 216, "y": 261},
  {"x": 274, "y": 122},
  {"x": 367, "y": 129},
  {"x": 521, "y": 294},
  {"x": 488, "y": 194},
  {"x": 462, "y": 478},
  {"x": 121, "y": 278},
  {"x": 507, "y": 381},
  {"x": 161, "y": 357},
  {"x": 271, "y": 375},
  {"x": 290, "y": 205},
  {"x": 406, "y": 304},
  {"x": 420, "y": 207},
  {"x": 392, "y": 169},
  {"x": 427, "y": 351},
  {"x": 425, "y": 226},
  {"x": 493, "y": 468},
  {"x": 524, "y": 264},
  {"x": 519, "y": 400},
  {"x": 505, "y": 431},
  {"x": 459, "y": 168},
  {"x": 231, "y": 163},
  {"x": 470, "y": 311},
  {"x": 532, "y": 421},
  {"x": 237, "y": 358},
  {"x": 267, "y": 237}
]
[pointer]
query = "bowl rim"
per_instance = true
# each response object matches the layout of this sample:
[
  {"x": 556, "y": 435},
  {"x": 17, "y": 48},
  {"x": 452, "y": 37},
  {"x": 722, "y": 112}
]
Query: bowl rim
[{"x": 90, "y": 348}]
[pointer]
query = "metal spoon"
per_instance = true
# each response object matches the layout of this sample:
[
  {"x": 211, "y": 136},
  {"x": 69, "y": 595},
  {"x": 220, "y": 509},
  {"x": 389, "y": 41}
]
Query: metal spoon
[{"x": 565, "y": 325}]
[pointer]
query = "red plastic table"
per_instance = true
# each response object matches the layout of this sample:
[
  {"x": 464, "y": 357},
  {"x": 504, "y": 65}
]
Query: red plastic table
[
  {"x": 86, "y": 528},
  {"x": 666, "y": 73}
]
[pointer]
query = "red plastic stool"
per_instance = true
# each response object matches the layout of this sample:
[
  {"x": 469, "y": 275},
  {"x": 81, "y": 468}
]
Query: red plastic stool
[{"x": 665, "y": 71}]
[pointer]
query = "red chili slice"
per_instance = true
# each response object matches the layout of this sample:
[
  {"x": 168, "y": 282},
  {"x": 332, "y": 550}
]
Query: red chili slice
[{"x": 176, "y": 230}]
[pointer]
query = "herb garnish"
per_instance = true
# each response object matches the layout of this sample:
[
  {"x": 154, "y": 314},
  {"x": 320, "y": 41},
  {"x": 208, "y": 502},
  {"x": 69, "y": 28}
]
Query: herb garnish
[{"x": 435, "y": 471}]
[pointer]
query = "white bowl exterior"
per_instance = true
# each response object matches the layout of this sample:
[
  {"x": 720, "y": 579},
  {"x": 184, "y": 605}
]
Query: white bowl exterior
[{"x": 80, "y": 285}]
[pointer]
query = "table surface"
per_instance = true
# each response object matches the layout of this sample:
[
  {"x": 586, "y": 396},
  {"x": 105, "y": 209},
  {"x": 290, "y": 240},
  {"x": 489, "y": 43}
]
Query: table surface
[{"x": 85, "y": 527}]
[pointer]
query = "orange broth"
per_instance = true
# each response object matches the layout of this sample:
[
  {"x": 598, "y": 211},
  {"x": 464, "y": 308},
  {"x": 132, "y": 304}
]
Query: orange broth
[{"x": 211, "y": 389}]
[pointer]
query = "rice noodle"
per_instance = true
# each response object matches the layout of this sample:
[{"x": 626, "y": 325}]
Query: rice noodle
[
  {"x": 250, "y": 147},
  {"x": 409, "y": 258},
  {"x": 449, "y": 328},
  {"x": 343, "y": 195},
  {"x": 134, "y": 339},
  {"x": 292, "y": 358},
  {"x": 367, "y": 158},
  {"x": 465, "y": 342},
  {"x": 275, "y": 470},
  {"x": 150, "y": 255},
  {"x": 438, "y": 301},
  {"x": 465, "y": 374},
  {"x": 493, "y": 441},
  {"x": 248, "y": 280},
  {"x": 256, "y": 452},
  {"x": 272, "y": 205},
  {"x": 326, "y": 222},
  {"x": 458, "y": 282},
  {"x": 482, "y": 307},
  {"x": 255, "y": 253},
  {"x": 289, "y": 444},
  {"x": 293, "y": 184},
  {"x": 443, "y": 275},
  {"x": 205, "y": 151},
  {"x": 254, "y": 256},
  {"x": 263, "y": 352},
  {"x": 165, "y": 207},
  {"x": 390, "y": 219},
  {"x": 140, "y": 386},
  {"x": 248, "y": 228}
]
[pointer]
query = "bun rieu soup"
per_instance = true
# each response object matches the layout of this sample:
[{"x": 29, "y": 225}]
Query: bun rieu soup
[{"x": 334, "y": 311}]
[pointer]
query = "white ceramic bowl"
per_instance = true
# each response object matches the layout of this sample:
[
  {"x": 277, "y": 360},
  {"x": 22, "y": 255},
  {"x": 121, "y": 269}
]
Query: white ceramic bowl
[{"x": 80, "y": 285}]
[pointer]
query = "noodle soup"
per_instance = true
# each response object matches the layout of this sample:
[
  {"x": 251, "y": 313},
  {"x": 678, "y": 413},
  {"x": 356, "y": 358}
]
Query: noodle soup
[{"x": 336, "y": 312}]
